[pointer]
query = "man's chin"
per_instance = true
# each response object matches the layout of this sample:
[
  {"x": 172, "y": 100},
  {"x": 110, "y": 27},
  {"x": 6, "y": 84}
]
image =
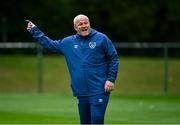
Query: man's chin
[{"x": 84, "y": 34}]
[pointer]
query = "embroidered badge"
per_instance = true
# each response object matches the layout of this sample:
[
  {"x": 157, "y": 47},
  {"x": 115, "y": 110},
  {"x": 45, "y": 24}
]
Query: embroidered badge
[
  {"x": 75, "y": 46},
  {"x": 92, "y": 45},
  {"x": 100, "y": 100}
]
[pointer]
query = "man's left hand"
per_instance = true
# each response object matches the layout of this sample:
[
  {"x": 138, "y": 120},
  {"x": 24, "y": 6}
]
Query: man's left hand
[{"x": 109, "y": 86}]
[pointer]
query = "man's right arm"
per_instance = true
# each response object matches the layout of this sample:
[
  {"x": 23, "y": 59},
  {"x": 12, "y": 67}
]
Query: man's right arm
[{"x": 53, "y": 45}]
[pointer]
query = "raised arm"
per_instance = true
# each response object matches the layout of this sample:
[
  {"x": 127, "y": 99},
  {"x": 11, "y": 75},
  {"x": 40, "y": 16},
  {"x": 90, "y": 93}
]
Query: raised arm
[{"x": 53, "y": 45}]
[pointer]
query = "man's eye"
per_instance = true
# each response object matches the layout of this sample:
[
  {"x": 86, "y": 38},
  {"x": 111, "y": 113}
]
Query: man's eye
[{"x": 80, "y": 24}]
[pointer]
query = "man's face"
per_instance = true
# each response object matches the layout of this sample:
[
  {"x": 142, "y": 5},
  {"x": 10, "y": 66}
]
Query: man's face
[{"x": 82, "y": 26}]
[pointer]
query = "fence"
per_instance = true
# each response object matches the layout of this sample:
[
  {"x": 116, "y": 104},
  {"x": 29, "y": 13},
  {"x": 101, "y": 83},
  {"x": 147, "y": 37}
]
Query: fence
[
  {"x": 164, "y": 46},
  {"x": 136, "y": 45}
]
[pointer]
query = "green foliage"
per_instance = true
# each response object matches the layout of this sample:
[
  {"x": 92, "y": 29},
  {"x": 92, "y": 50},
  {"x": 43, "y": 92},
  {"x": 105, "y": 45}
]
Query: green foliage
[{"x": 127, "y": 20}]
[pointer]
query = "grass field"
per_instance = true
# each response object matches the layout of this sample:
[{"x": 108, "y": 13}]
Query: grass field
[
  {"x": 62, "y": 109},
  {"x": 136, "y": 75},
  {"x": 138, "y": 96}
]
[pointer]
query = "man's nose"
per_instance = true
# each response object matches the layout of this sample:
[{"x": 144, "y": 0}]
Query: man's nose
[{"x": 84, "y": 25}]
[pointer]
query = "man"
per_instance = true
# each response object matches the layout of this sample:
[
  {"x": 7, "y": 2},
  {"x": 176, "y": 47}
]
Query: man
[{"x": 93, "y": 65}]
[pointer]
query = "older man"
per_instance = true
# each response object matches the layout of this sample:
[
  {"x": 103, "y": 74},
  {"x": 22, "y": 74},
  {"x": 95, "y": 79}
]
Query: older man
[{"x": 93, "y": 65}]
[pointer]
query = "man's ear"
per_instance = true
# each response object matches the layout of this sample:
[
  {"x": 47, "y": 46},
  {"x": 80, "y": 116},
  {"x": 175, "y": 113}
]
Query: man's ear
[{"x": 75, "y": 27}]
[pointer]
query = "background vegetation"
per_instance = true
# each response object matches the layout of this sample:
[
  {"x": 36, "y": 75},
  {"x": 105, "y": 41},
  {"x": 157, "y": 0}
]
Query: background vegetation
[{"x": 121, "y": 20}]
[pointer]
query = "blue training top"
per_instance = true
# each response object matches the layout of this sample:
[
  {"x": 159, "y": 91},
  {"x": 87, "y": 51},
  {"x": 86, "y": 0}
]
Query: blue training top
[{"x": 91, "y": 60}]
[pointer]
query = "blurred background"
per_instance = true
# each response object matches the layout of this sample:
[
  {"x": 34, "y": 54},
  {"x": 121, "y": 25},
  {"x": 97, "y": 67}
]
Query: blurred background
[
  {"x": 146, "y": 34},
  {"x": 122, "y": 21}
]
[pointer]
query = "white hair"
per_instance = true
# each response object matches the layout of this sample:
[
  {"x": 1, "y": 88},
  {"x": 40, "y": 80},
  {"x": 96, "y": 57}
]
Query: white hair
[{"x": 78, "y": 17}]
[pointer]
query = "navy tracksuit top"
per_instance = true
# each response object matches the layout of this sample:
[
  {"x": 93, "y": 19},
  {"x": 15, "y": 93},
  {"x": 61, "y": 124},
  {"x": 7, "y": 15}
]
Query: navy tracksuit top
[{"x": 91, "y": 60}]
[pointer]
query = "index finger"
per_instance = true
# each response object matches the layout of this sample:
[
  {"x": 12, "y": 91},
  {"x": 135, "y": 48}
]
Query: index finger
[{"x": 28, "y": 21}]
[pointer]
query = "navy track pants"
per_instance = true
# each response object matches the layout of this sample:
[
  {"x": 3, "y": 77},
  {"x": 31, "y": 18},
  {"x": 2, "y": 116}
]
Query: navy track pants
[{"x": 92, "y": 108}]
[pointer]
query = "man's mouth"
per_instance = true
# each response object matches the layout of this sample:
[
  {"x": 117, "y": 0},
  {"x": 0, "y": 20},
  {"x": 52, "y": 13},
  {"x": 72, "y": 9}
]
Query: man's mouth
[{"x": 84, "y": 30}]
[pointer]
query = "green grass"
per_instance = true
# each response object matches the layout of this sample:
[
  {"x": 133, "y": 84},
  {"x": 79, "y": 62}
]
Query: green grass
[
  {"x": 22, "y": 72},
  {"x": 18, "y": 73},
  {"x": 23, "y": 108},
  {"x": 144, "y": 110},
  {"x": 138, "y": 96},
  {"x": 62, "y": 109}
]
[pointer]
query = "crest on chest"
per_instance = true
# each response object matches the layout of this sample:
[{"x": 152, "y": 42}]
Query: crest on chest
[{"x": 92, "y": 45}]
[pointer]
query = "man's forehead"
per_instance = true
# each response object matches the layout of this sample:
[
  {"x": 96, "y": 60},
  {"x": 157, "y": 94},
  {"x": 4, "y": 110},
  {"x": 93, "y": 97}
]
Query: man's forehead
[
  {"x": 80, "y": 18},
  {"x": 83, "y": 19}
]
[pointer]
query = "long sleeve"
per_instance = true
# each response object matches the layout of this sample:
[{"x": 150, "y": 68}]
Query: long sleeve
[
  {"x": 46, "y": 42},
  {"x": 113, "y": 60}
]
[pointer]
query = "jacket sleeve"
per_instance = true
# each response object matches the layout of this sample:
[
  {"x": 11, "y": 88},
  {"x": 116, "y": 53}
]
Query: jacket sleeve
[
  {"x": 112, "y": 59},
  {"x": 46, "y": 42}
]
